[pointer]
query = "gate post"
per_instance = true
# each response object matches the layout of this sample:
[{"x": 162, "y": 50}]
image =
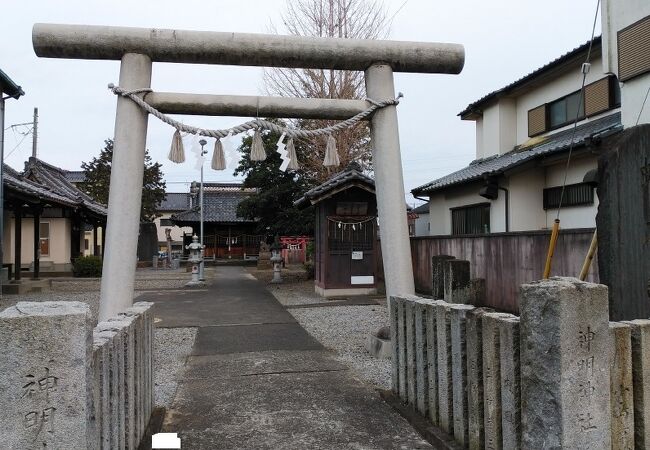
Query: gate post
[
  {"x": 389, "y": 184},
  {"x": 125, "y": 193}
]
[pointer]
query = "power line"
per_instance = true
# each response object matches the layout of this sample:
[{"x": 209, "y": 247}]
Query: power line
[{"x": 585, "y": 71}]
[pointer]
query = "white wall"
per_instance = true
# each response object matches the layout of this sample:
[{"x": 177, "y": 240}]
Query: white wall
[
  {"x": 60, "y": 235},
  {"x": 422, "y": 225},
  {"x": 177, "y": 232},
  {"x": 616, "y": 15},
  {"x": 440, "y": 208},
  {"x": 504, "y": 124},
  {"x": 572, "y": 216},
  {"x": 553, "y": 90},
  {"x": 526, "y": 200}
]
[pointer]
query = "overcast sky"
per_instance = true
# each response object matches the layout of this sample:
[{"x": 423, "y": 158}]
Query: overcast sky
[{"x": 503, "y": 39}]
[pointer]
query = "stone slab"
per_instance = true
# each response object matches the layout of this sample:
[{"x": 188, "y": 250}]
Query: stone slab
[
  {"x": 432, "y": 360},
  {"x": 640, "y": 335},
  {"x": 565, "y": 384},
  {"x": 113, "y": 437},
  {"x": 510, "y": 384},
  {"x": 125, "y": 325},
  {"x": 459, "y": 372},
  {"x": 492, "y": 410},
  {"x": 46, "y": 382},
  {"x": 411, "y": 382},
  {"x": 421, "y": 357},
  {"x": 401, "y": 340},
  {"x": 296, "y": 410},
  {"x": 457, "y": 281},
  {"x": 393, "y": 313},
  {"x": 445, "y": 383},
  {"x": 474, "y": 340},
  {"x": 438, "y": 267},
  {"x": 101, "y": 411},
  {"x": 621, "y": 391}
]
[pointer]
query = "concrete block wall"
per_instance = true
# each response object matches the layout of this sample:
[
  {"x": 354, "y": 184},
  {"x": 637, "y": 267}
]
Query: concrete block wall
[
  {"x": 559, "y": 376},
  {"x": 65, "y": 384}
]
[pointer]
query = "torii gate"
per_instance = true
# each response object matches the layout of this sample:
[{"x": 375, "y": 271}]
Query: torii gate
[{"x": 137, "y": 48}]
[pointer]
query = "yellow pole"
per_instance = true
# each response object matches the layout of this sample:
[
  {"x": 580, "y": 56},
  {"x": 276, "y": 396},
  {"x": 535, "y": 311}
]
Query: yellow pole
[
  {"x": 551, "y": 247},
  {"x": 589, "y": 258}
]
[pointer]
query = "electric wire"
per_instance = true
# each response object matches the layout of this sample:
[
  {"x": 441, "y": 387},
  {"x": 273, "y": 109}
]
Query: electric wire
[{"x": 585, "y": 71}]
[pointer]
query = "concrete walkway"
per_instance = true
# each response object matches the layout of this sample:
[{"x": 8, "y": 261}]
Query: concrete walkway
[{"x": 257, "y": 380}]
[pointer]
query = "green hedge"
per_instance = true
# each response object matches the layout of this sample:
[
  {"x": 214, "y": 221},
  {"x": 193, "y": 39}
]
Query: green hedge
[{"x": 87, "y": 267}]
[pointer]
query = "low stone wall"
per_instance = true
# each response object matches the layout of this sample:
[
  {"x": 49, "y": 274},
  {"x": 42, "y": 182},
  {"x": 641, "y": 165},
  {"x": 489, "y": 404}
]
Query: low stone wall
[
  {"x": 558, "y": 376},
  {"x": 64, "y": 384}
]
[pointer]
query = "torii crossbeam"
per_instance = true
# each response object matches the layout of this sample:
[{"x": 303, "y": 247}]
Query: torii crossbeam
[{"x": 138, "y": 48}]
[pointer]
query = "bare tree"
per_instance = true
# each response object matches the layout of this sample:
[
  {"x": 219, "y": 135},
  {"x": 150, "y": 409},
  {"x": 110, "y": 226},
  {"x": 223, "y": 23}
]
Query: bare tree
[{"x": 360, "y": 19}]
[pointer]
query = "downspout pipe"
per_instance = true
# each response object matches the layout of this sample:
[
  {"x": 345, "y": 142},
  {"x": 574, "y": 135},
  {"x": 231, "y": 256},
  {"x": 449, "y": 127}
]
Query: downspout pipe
[{"x": 507, "y": 207}]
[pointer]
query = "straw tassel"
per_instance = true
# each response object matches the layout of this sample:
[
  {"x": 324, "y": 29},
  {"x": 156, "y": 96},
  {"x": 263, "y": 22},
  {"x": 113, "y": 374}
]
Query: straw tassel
[
  {"x": 177, "y": 152},
  {"x": 293, "y": 158},
  {"x": 331, "y": 154},
  {"x": 257, "y": 148},
  {"x": 218, "y": 156}
]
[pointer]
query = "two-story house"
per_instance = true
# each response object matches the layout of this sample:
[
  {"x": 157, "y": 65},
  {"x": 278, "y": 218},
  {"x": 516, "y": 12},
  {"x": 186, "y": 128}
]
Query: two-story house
[{"x": 523, "y": 137}]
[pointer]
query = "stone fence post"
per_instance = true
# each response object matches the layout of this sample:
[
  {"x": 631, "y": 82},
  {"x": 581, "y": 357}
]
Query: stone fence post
[
  {"x": 46, "y": 385},
  {"x": 565, "y": 367}
]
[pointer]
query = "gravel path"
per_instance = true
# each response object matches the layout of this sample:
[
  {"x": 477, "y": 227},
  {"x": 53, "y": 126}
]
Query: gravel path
[
  {"x": 293, "y": 294},
  {"x": 344, "y": 329},
  {"x": 171, "y": 348}
]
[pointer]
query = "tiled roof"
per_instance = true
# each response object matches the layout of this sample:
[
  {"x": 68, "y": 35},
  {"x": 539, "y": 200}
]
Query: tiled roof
[
  {"x": 551, "y": 144},
  {"x": 351, "y": 175},
  {"x": 7, "y": 86},
  {"x": 220, "y": 205},
  {"x": 75, "y": 176},
  {"x": 14, "y": 181},
  {"x": 54, "y": 179},
  {"x": 576, "y": 52},
  {"x": 175, "y": 201}
]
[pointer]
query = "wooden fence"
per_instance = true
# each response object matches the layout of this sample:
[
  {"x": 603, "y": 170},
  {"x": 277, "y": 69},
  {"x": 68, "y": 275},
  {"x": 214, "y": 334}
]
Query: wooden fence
[{"x": 504, "y": 260}]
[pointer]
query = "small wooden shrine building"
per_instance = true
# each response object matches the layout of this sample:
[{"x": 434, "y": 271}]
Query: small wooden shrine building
[{"x": 346, "y": 246}]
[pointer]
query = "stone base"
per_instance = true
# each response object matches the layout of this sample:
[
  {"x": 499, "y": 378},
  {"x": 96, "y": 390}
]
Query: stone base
[
  {"x": 378, "y": 347},
  {"x": 26, "y": 286},
  {"x": 345, "y": 292},
  {"x": 195, "y": 284}
]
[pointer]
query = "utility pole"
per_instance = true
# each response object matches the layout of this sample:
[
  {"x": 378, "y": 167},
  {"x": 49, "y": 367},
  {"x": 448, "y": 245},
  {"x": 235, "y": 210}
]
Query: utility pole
[{"x": 35, "y": 133}]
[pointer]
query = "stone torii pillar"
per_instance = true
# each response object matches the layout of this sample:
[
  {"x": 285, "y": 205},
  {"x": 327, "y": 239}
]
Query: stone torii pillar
[{"x": 137, "y": 48}]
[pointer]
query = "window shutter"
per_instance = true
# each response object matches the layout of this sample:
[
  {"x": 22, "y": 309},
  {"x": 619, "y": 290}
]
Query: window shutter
[
  {"x": 537, "y": 121},
  {"x": 634, "y": 49},
  {"x": 597, "y": 97}
]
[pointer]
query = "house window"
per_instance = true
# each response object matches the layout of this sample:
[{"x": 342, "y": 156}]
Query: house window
[
  {"x": 580, "y": 194},
  {"x": 472, "y": 219},
  {"x": 563, "y": 111},
  {"x": 166, "y": 223},
  {"x": 633, "y": 49},
  {"x": 44, "y": 238},
  {"x": 599, "y": 96}
]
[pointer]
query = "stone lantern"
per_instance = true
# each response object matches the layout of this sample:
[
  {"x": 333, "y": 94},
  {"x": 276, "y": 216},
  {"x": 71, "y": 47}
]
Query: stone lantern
[
  {"x": 195, "y": 258},
  {"x": 276, "y": 259}
]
